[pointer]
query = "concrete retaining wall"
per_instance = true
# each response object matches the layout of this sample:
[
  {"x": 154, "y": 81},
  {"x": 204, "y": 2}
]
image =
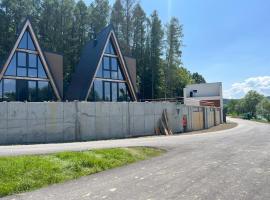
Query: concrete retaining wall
[{"x": 22, "y": 123}]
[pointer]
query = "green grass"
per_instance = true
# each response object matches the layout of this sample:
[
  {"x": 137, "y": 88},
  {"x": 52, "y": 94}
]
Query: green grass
[
  {"x": 25, "y": 173},
  {"x": 260, "y": 120}
]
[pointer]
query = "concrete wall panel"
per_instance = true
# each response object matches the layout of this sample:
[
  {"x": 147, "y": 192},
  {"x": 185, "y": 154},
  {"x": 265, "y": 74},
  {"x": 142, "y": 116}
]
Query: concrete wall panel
[{"x": 46, "y": 122}]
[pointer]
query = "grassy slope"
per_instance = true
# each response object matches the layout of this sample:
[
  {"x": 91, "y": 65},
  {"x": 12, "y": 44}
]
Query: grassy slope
[{"x": 25, "y": 173}]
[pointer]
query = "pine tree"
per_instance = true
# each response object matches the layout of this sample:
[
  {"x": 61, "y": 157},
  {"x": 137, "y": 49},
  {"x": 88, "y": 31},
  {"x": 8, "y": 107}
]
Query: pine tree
[
  {"x": 127, "y": 28},
  {"x": 80, "y": 28},
  {"x": 198, "y": 78},
  {"x": 138, "y": 47},
  {"x": 99, "y": 16},
  {"x": 56, "y": 31},
  {"x": 117, "y": 18},
  {"x": 156, "y": 43},
  {"x": 174, "y": 37}
]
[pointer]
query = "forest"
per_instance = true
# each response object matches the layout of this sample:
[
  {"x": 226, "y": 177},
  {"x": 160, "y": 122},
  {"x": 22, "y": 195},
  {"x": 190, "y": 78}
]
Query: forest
[{"x": 64, "y": 26}]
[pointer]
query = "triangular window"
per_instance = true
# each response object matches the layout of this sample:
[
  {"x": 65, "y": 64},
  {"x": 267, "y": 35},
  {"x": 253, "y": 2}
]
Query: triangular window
[
  {"x": 27, "y": 42},
  {"x": 110, "y": 83},
  {"x": 25, "y": 77},
  {"x": 110, "y": 48},
  {"x": 26, "y": 65},
  {"x": 23, "y": 42}
]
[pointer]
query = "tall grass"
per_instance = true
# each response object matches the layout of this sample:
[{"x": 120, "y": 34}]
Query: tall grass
[{"x": 25, "y": 173}]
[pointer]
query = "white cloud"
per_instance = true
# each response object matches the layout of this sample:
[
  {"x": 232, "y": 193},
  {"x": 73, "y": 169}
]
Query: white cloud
[{"x": 260, "y": 83}]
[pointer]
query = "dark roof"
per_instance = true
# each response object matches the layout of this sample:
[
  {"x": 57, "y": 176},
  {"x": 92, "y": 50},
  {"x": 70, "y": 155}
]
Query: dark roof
[{"x": 85, "y": 70}]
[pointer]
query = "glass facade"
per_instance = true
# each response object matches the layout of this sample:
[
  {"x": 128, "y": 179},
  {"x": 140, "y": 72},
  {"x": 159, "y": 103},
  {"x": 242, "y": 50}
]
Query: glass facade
[
  {"x": 25, "y": 90},
  {"x": 110, "y": 48},
  {"x": 9, "y": 90},
  {"x": 25, "y": 78},
  {"x": 27, "y": 42},
  {"x": 109, "y": 84}
]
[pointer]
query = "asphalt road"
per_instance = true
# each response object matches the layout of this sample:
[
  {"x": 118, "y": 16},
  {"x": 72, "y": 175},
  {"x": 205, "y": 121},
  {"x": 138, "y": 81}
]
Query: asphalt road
[{"x": 230, "y": 164}]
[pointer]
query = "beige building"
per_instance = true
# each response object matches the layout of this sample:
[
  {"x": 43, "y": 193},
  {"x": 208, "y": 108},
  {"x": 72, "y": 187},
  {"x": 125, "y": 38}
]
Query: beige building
[{"x": 204, "y": 94}]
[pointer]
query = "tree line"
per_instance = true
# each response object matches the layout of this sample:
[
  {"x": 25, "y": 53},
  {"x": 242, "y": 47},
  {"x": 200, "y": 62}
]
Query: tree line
[
  {"x": 66, "y": 25},
  {"x": 252, "y": 106}
]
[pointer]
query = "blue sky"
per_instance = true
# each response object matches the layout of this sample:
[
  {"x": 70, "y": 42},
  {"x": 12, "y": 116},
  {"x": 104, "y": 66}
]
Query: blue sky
[{"x": 225, "y": 40}]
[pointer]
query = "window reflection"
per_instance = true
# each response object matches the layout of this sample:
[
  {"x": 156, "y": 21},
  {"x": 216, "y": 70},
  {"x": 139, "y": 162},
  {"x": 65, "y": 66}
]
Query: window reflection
[
  {"x": 122, "y": 92},
  {"x": 32, "y": 72},
  {"x": 114, "y": 64},
  {"x": 110, "y": 49},
  {"x": 106, "y": 63},
  {"x": 99, "y": 72},
  {"x": 21, "y": 59},
  {"x": 27, "y": 42},
  {"x": 43, "y": 90},
  {"x": 21, "y": 90},
  {"x": 9, "y": 90},
  {"x": 11, "y": 69},
  {"x": 1, "y": 90},
  {"x": 120, "y": 74},
  {"x": 98, "y": 90},
  {"x": 30, "y": 43},
  {"x": 21, "y": 71},
  {"x": 32, "y": 60},
  {"x": 23, "y": 42},
  {"x": 25, "y": 64},
  {"x": 114, "y": 91},
  {"x": 32, "y": 91},
  {"x": 41, "y": 72},
  {"x": 107, "y": 91}
]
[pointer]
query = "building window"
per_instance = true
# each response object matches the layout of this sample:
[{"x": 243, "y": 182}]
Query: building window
[
  {"x": 43, "y": 91},
  {"x": 28, "y": 65},
  {"x": 27, "y": 42},
  {"x": 21, "y": 59},
  {"x": 11, "y": 69},
  {"x": 107, "y": 91},
  {"x": 32, "y": 91},
  {"x": 114, "y": 91},
  {"x": 110, "y": 49},
  {"x": 113, "y": 88},
  {"x": 32, "y": 60},
  {"x": 25, "y": 90},
  {"x": 41, "y": 72},
  {"x": 99, "y": 72},
  {"x": 24, "y": 65},
  {"x": 21, "y": 71},
  {"x": 21, "y": 90},
  {"x": 9, "y": 90},
  {"x": 98, "y": 90},
  {"x": 1, "y": 90},
  {"x": 122, "y": 92},
  {"x": 110, "y": 69}
]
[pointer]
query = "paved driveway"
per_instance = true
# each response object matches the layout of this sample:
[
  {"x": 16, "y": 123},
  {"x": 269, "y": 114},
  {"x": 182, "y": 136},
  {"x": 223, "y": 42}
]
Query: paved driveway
[{"x": 231, "y": 164}]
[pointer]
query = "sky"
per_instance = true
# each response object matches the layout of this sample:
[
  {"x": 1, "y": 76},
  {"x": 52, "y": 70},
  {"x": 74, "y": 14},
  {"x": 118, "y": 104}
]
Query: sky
[{"x": 226, "y": 41}]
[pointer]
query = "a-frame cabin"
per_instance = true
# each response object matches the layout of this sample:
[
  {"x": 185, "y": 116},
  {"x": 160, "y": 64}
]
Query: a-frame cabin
[
  {"x": 29, "y": 73},
  {"x": 102, "y": 73}
]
